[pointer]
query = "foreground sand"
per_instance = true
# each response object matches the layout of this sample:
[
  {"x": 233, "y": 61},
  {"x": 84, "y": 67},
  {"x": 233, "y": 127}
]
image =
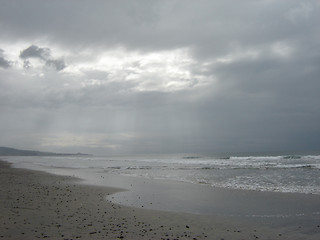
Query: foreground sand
[{"x": 36, "y": 205}]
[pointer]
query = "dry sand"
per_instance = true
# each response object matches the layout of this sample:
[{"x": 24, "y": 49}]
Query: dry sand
[{"x": 37, "y": 205}]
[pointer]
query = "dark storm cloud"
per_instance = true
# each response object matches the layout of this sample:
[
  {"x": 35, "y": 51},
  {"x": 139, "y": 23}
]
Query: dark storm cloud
[
  {"x": 4, "y": 63},
  {"x": 35, "y": 52},
  {"x": 43, "y": 54}
]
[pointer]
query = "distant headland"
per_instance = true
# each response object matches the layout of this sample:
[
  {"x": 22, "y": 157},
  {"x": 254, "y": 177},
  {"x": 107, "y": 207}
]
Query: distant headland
[{"x": 6, "y": 151}]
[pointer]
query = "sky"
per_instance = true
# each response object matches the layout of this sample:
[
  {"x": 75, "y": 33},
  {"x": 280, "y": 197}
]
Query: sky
[{"x": 169, "y": 76}]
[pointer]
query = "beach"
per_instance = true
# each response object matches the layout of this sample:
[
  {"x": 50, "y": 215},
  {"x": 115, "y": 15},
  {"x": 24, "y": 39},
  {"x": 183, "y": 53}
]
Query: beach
[{"x": 39, "y": 205}]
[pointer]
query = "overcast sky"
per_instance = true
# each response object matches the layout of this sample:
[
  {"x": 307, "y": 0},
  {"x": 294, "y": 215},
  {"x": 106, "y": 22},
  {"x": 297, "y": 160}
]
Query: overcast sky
[{"x": 160, "y": 76}]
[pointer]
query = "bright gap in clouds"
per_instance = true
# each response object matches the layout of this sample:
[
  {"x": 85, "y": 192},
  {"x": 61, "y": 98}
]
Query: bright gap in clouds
[{"x": 163, "y": 71}]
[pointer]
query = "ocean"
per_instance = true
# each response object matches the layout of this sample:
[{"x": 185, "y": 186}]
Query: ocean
[{"x": 273, "y": 173}]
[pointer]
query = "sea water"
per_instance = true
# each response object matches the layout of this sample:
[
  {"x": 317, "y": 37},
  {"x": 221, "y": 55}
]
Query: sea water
[{"x": 273, "y": 173}]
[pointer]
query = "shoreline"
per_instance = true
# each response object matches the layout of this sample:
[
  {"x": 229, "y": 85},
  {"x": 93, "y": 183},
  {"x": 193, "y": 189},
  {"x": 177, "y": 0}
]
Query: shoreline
[
  {"x": 40, "y": 205},
  {"x": 176, "y": 196}
]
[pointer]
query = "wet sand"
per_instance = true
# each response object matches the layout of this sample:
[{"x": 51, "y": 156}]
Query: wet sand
[{"x": 37, "y": 205}]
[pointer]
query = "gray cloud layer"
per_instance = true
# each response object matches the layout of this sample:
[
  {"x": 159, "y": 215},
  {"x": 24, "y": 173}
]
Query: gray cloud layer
[{"x": 249, "y": 81}]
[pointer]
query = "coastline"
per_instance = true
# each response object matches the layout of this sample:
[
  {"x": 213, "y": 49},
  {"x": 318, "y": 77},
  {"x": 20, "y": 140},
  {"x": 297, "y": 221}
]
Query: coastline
[{"x": 38, "y": 205}]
